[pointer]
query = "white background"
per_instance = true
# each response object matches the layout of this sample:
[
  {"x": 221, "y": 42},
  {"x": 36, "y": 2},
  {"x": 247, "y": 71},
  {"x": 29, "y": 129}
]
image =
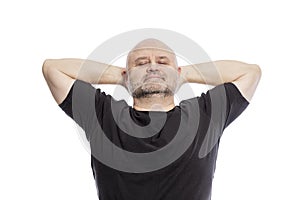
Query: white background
[{"x": 42, "y": 156}]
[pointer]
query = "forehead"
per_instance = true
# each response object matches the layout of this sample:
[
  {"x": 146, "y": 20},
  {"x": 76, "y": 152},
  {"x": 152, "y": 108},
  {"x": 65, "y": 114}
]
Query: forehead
[{"x": 150, "y": 52}]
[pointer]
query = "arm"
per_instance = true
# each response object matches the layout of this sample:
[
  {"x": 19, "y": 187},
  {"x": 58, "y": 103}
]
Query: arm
[
  {"x": 60, "y": 74},
  {"x": 245, "y": 76}
]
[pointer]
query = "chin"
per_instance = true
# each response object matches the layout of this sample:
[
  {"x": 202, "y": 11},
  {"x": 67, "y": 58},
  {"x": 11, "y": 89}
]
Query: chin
[
  {"x": 151, "y": 90},
  {"x": 153, "y": 87}
]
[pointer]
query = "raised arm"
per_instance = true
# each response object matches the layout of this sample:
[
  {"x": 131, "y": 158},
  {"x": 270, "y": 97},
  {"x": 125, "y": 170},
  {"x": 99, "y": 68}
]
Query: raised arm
[
  {"x": 245, "y": 76},
  {"x": 60, "y": 74}
]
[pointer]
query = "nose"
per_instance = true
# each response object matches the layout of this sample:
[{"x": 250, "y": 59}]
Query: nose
[{"x": 152, "y": 67}]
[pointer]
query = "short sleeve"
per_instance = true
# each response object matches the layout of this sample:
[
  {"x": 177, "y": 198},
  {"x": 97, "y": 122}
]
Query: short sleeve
[
  {"x": 223, "y": 104},
  {"x": 219, "y": 107},
  {"x": 81, "y": 104},
  {"x": 236, "y": 103}
]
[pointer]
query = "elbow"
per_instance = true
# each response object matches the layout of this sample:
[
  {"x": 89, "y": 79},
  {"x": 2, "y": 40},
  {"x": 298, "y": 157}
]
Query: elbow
[
  {"x": 257, "y": 70},
  {"x": 47, "y": 67},
  {"x": 48, "y": 63},
  {"x": 255, "y": 73}
]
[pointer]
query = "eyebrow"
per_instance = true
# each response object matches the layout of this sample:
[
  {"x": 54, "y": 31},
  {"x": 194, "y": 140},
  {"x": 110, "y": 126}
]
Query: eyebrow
[
  {"x": 163, "y": 57},
  {"x": 141, "y": 58},
  {"x": 145, "y": 57}
]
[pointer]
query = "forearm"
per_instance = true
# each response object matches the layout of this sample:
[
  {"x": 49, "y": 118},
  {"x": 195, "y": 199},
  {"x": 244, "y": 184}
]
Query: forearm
[
  {"x": 86, "y": 70},
  {"x": 217, "y": 72}
]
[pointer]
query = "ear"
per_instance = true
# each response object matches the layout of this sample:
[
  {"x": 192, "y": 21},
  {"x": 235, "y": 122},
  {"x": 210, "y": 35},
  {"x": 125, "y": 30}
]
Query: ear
[
  {"x": 125, "y": 78},
  {"x": 124, "y": 72},
  {"x": 179, "y": 70}
]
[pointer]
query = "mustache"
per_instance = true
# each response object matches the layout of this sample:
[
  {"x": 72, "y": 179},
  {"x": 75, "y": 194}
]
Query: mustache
[
  {"x": 141, "y": 93},
  {"x": 149, "y": 75}
]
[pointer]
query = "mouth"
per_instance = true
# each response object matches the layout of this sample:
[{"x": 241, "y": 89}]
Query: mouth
[{"x": 154, "y": 77}]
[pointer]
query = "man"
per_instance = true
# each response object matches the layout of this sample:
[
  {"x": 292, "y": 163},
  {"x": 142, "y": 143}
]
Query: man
[{"x": 152, "y": 77}]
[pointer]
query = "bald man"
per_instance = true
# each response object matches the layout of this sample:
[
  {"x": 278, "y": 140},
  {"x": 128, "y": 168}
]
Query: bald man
[{"x": 152, "y": 77}]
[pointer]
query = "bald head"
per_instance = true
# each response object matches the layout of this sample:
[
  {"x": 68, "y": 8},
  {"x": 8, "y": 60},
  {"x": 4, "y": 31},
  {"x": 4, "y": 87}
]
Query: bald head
[{"x": 150, "y": 45}]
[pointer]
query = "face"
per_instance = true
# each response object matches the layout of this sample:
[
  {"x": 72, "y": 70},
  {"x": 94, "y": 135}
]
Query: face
[{"x": 152, "y": 71}]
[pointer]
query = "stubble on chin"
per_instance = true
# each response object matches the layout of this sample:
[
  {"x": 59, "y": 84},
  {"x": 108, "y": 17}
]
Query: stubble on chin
[{"x": 149, "y": 91}]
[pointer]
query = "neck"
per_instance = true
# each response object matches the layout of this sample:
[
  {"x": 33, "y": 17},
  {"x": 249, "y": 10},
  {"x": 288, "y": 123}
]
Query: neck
[{"x": 156, "y": 102}]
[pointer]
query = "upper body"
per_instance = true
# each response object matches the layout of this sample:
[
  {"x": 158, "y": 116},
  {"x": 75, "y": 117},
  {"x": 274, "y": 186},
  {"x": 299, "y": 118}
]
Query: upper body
[{"x": 152, "y": 77}]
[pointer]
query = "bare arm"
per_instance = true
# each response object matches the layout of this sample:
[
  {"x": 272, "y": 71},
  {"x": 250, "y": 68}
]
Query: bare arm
[
  {"x": 60, "y": 74},
  {"x": 245, "y": 76}
]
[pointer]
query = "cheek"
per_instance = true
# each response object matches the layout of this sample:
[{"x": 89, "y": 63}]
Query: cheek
[
  {"x": 135, "y": 76},
  {"x": 172, "y": 75}
]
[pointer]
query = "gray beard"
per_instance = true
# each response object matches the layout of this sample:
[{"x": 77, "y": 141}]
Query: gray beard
[{"x": 140, "y": 93}]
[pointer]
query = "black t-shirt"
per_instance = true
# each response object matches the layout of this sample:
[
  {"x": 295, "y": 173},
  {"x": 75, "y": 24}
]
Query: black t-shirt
[{"x": 153, "y": 155}]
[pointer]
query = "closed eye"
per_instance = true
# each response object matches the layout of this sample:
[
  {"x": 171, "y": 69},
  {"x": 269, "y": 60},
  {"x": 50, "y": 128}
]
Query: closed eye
[
  {"x": 163, "y": 62},
  {"x": 142, "y": 63}
]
